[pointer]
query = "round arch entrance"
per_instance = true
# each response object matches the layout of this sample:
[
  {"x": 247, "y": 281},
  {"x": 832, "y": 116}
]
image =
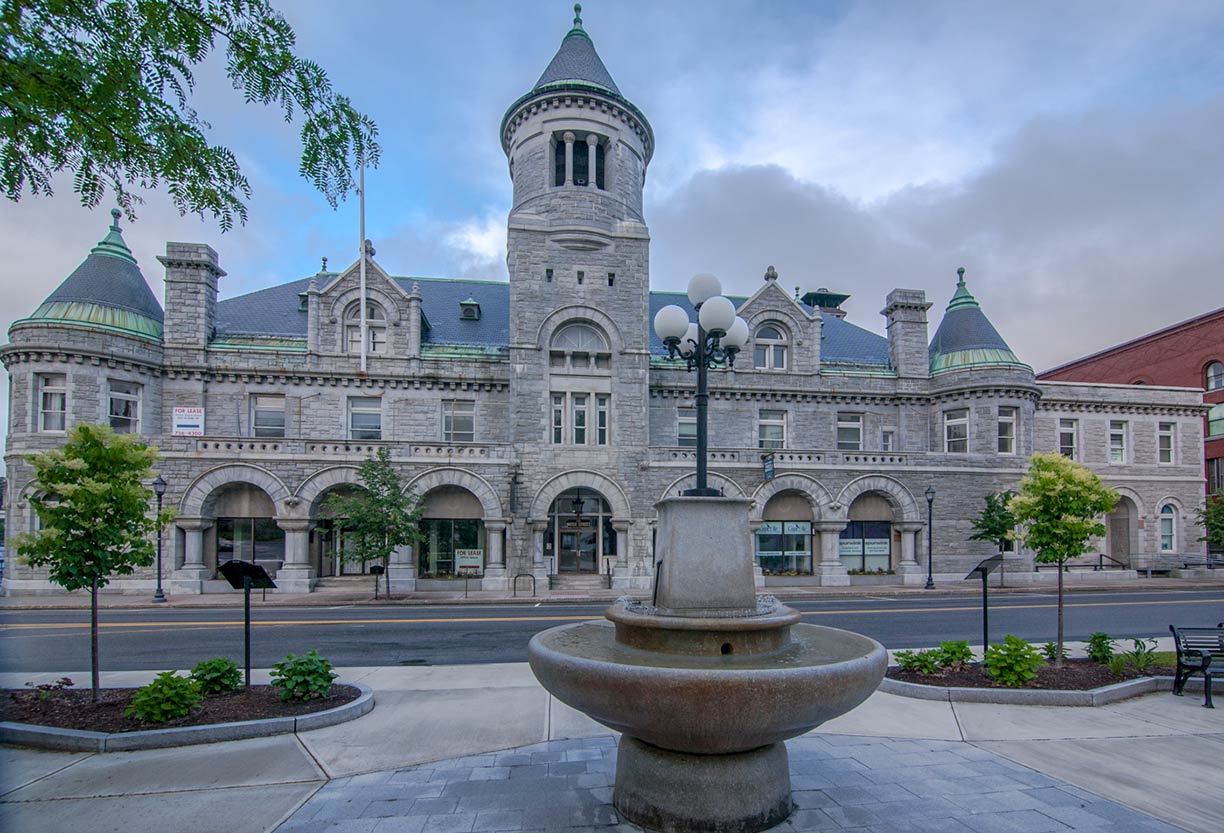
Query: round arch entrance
[
  {"x": 580, "y": 534},
  {"x": 866, "y": 542},
  {"x": 1121, "y": 531},
  {"x": 784, "y": 538}
]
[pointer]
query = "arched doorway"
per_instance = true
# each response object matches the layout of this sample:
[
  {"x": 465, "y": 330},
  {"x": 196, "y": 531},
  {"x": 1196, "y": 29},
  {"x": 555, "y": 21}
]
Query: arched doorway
[
  {"x": 784, "y": 538},
  {"x": 453, "y": 525},
  {"x": 245, "y": 527},
  {"x": 1120, "y": 531},
  {"x": 866, "y": 542},
  {"x": 328, "y": 542},
  {"x": 580, "y": 534}
]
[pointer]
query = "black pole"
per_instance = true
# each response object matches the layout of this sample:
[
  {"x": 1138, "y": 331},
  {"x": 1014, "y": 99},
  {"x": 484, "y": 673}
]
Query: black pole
[
  {"x": 703, "y": 404},
  {"x": 246, "y": 588},
  {"x": 158, "y": 595},
  {"x": 985, "y": 614},
  {"x": 930, "y": 585}
]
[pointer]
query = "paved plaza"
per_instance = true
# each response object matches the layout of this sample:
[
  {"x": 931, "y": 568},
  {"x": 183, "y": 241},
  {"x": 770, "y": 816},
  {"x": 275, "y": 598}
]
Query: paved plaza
[{"x": 452, "y": 749}]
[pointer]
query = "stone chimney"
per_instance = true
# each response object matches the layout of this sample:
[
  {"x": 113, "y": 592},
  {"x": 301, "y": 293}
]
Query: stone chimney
[
  {"x": 906, "y": 311},
  {"x": 192, "y": 272}
]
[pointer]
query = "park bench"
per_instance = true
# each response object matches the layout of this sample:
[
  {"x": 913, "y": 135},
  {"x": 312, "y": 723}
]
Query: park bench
[{"x": 1196, "y": 648}]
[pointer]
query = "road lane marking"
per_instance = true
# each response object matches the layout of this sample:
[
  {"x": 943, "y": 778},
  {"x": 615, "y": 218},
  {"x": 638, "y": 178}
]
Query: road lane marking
[{"x": 22, "y": 626}]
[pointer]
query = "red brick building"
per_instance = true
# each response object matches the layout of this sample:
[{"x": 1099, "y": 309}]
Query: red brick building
[{"x": 1188, "y": 354}]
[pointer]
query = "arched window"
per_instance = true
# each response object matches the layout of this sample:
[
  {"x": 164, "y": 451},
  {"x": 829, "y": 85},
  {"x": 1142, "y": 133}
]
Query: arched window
[
  {"x": 1215, "y": 376},
  {"x": 376, "y": 328},
  {"x": 1168, "y": 528},
  {"x": 581, "y": 408},
  {"x": 581, "y": 348},
  {"x": 770, "y": 348},
  {"x": 588, "y": 160}
]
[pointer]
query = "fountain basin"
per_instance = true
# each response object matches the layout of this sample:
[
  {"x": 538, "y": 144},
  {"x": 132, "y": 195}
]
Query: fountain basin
[{"x": 708, "y": 704}]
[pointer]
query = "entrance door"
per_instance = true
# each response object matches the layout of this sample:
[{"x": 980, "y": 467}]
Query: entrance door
[
  {"x": 1119, "y": 535},
  {"x": 578, "y": 551}
]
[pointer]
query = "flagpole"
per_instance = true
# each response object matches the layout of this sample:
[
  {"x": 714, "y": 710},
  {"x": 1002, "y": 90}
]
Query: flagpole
[{"x": 361, "y": 247}]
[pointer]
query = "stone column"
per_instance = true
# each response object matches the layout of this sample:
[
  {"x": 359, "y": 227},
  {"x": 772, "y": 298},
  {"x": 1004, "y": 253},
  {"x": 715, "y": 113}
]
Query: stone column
[
  {"x": 569, "y": 157},
  {"x": 621, "y": 578},
  {"x": 495, "y": 557},
  {"x": 297, "y": 574},
  {"x": 908, "y": 569},
  {"x": 592, "y": 140},
  {"x": 190, "y": 578},
  {"x": 758, "y": 575},
  {"x": 831, "y": 570},
  {"x": 401, "y": 570},
  {"x": 538, "y": 568}
]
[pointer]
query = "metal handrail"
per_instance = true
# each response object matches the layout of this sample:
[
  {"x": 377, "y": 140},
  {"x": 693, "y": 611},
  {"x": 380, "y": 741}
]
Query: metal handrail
[
  {"x": 1102, "y": 558},
  {"x": 524, "y": 575}
]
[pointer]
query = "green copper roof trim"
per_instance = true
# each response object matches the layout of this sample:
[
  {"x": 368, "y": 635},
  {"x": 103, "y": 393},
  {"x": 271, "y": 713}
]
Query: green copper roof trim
[
  {"x": 962, "y": 297},
  {"x": 277, "y": 345},
  {"x": 580, "y": 87},
  {"x": 463, "y": 351},
  {"x": 112, "y": 244},
  {"x": 80, "y": 313},
  {"x": 968, "y": 359}
]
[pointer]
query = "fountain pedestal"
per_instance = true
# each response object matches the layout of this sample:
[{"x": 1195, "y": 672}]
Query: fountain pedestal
[{"x": 705, "y": 685}]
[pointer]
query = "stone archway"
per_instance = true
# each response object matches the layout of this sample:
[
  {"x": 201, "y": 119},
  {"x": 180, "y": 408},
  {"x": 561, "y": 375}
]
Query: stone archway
[
  {"x": 196, "y": 495},
  {"x": 474, "y": 483},
  {"x": 1122, "y": 532},
  {"x": 321, "y": 482},
  {"x": 817, "y": 495},
  {"x": 904, "y": 506},
  {"x": 585, "y": 479}
]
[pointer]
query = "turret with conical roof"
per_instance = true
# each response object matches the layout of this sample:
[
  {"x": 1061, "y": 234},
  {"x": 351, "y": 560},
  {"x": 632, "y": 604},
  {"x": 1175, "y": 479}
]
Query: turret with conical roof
[
  {"x": 966, "y": 338},
  {"x": 107, "y": 291}
]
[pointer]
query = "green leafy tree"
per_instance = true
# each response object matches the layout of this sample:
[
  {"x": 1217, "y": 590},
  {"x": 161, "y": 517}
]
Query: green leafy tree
[
  {"x": 379, "y": 517},
  {"x": 102, "y": 88},
  {"x": 996, "y": 524},
  {"x": 1210, "y": 516},
  {"x": 1058, "y": 511},
  {"x": 93, "y": 511}
]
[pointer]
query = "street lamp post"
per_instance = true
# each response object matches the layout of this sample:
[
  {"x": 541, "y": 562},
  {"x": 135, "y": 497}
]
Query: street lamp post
[
  {"x": 930, "y": 496},
  {"x": 714, "y": 340},
  {"x": 159, "y": 489}
]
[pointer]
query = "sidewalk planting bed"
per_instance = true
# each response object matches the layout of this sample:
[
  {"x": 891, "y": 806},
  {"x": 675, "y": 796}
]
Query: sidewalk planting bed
[
  {"x": 72, "y": 709},
  {"x": 1075, "y": 675}
]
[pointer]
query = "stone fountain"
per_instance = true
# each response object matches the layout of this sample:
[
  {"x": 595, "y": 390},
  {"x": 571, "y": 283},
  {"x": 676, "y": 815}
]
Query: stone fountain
[{"x": 706, "y": 683}]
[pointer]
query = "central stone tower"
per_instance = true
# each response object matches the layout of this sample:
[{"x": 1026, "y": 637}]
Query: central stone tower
[{"x": 578, "y": 259}]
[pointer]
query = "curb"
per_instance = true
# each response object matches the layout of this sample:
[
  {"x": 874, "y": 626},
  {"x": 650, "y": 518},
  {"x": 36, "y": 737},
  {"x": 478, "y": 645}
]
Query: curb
[
  {"x": 1035, "y": 696},
  {"x": 78, "y": 740}
]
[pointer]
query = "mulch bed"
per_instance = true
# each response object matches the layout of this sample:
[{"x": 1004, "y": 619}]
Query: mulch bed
[
  {"x": 1075, "y": 675},
  {"x": 72, "y": 709}
]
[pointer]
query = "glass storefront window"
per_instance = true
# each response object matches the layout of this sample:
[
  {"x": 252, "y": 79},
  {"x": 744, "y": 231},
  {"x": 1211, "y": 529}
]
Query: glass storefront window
[
  {"x": 785, "y": 548},
  {"x": 451, "y": 547},
  {"x": 866, "y": 546},
  {"x": 249, "y": 539}
]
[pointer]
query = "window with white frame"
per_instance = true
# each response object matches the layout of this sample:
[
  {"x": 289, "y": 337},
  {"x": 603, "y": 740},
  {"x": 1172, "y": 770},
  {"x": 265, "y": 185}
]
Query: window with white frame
[
  {"x": 580, "y": 418},
  {"x": 365, "y": 418},
  {"x": 1166, "y": 433},
  {"x": 888, "y": 440},
  {"x": 267, "y": 415},
  {"x": 1215, "y": 421},
  {"x": 123, "y": 409},
  {"x": 458, "y": 421},
  {"x": 580, "y": 348},
  {"x": 1117, "y": 441},
  {"x": 686, "y": 426},
  {"x": 770, "y": 348},
  {"x": 1214, "y": 376},
  {"x": 849, "y": 432},
  {"x": 1007, "y": 429},
  {"x": 376, "y": 328},
  {"x": 771, "y": 429},
  {"x": 1168, "y": 528},
  {"x": 1068, "y": 438},
  {"x": 956, "y": 431},
  {"x": 52, "y": 401}
]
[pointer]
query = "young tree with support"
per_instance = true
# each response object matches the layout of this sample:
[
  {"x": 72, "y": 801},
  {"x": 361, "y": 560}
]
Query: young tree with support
[
  {"x": 94, "y": 515},
  {"x": 996, "y": 524},
  {"x": 1058, "y": 512},
  {"x": 377, "y": 518}
]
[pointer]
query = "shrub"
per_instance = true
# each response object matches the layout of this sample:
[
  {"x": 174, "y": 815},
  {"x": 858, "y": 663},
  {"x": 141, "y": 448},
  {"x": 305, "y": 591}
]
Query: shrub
[
  {"x": 45, "y": 690},
  {"x": 166, "y": 698},
  {"x": 1117, "y": 665},
  {"x": 1143, "y": 656},
  {"x": 954, "y": 653},
  {"x": 1100, "y": 647},
  {"x": 1013, "y": 662},
  {"x": 922, "y": 662},
  {"x": 1050, "y": 649},
  {"x": 217, "y": 676},
  {"x": 307, "y": 677}
]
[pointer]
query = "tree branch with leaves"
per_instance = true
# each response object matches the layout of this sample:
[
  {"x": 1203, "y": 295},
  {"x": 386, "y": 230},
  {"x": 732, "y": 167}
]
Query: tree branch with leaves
[{"x": 102, "y": 89}]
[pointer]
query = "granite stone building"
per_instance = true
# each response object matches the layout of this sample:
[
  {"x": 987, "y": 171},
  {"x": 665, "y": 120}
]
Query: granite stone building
[{"x": 540, "y": 419}]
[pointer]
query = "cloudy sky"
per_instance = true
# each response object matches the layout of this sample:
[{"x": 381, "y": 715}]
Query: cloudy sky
[{"x": 1069, "y": 155}]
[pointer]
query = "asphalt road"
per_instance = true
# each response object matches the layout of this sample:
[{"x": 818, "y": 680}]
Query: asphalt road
[{"x": 58, "y": 640}]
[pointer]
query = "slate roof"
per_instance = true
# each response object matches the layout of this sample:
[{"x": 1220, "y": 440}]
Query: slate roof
[
  {"x": 275, "y": 312},
  {"x": 966, "y": 337},
  {"x": 576, "y": 62}
]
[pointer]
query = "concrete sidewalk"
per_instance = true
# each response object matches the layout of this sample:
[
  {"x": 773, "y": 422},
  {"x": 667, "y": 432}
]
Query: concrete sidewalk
[
  {"x": 362, "y": 593},
  {"x": 952, "y": 766}
]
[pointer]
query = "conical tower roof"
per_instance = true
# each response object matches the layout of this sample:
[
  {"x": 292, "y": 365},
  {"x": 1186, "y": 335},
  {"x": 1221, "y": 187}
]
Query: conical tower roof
[
  {"x": 107, "y": 291},
  {"x": 966, "y": 338},
  {"x": 576, "y": 62}
]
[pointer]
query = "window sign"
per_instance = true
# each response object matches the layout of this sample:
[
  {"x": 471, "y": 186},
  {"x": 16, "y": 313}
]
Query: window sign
[
  {"x": 866, "y": 546},
  {"x": 785, "y": 547},
  {"x": 187, "y": 422},
  {"x": 850, "y": 547}
]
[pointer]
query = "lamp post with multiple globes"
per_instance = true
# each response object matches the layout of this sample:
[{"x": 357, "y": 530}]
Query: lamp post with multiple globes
[{"x": 713, "y": 341}]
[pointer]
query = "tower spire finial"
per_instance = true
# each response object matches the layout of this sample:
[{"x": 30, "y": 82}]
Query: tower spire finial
[
  {"x": 960, "y": 276},
  {"x": 577, "y": 15},
  {"x": 115, "y": 215}
]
